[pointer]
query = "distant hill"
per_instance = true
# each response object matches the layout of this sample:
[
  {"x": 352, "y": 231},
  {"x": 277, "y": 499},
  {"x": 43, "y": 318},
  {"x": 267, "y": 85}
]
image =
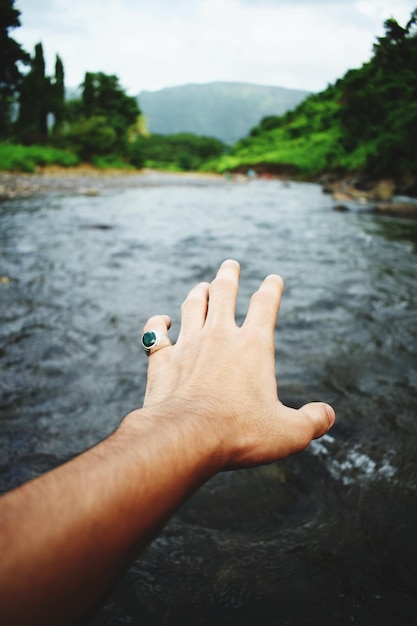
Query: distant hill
[{"x": 224, "y": 110}]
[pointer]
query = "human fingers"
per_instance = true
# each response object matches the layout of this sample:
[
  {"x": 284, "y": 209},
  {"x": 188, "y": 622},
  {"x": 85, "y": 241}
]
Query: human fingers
[
  {"x": 223, "y": 292},
  {"x": 276, "y": 433},
  {"x": 319, "y": 417},
  {"x": 264, "y": 304},
  {"x": 155, "y": 334},
  {"x": 296, "y": 428},
  {"x": 194, "y": 311}
]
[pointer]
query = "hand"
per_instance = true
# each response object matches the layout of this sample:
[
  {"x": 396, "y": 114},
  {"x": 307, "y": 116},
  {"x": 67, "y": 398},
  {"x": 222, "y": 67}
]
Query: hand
[
  {"x": 223, "y": 376},
  {"x": 211, "y": 403}
]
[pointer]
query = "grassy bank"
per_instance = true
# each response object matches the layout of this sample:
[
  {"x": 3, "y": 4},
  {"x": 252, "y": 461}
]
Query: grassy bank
[{"x": 19, "y": 158}]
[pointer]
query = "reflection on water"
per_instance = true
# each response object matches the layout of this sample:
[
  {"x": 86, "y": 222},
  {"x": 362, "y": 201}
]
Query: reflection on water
[{"x": 326, "y": 537}]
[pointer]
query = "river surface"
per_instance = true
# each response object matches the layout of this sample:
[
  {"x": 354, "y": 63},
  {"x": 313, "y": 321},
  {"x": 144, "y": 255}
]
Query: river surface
[{"x": 327, "y": 537}]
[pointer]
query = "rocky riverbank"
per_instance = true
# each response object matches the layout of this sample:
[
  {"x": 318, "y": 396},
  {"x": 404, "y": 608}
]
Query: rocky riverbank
[
  {"x": 377, "y": 197},
  {"x": 55, "y": 179},
  {"x": 383, "y": 197},
  {"x": 87, "y": 180}
]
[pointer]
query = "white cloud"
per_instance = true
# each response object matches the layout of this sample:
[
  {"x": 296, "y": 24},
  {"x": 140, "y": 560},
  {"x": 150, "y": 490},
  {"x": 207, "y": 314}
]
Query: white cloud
[
  {"x": 296, "y": 44},
  {"x": 377, "y": 9}
]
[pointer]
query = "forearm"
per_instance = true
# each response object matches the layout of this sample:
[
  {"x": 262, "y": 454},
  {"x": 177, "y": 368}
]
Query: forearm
[{"x": 70, "y": 533}]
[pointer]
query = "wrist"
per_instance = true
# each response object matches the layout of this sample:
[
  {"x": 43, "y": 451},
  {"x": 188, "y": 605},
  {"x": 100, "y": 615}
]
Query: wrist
[{"x": 171, "y": 428}]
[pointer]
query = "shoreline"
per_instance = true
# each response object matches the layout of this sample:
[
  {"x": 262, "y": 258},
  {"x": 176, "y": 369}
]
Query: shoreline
[{"x": 87, "y": 180}]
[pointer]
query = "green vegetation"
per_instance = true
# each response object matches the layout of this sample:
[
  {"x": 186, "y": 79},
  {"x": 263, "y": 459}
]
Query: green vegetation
[
  {"x": 103, "y": 127},
  {"x": 39, "y": 96},
  {"x": 16, "y": 157},
  {"x": 366, "y": 121},
  {"x": 100, "y": 123},
  {"x": 12, "y": 56},
  {"x": 38, "y": 127},
  {"x": 305, "y": 140},
  {"x": 183, "y": 151}
]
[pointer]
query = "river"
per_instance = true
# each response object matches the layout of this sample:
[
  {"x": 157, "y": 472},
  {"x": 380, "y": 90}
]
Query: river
[{"x": 326, "y": 537}]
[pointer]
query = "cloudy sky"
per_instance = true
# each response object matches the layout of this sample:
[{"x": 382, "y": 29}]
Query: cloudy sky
[{"x": 151, "y": 44}]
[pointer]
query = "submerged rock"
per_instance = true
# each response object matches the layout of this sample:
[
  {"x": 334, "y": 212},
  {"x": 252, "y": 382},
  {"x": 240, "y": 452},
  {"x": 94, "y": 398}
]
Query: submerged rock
[
  {"x": 342, "y": 208},
  {"x": 407, "y": 209}
]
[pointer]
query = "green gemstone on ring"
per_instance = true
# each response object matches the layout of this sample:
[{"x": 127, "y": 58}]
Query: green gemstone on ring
[{"x": 149, "y": 339}]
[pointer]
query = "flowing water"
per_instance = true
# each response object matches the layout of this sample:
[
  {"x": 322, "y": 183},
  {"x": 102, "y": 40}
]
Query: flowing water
[{"x": 326, "y": 537}]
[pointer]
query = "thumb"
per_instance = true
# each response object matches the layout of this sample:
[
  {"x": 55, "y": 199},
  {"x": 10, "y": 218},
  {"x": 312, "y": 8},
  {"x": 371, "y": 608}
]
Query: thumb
[{"x": 321, "y": 416}]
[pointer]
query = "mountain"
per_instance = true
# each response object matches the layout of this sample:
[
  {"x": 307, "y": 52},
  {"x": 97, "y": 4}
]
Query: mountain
[{"x": 224, "y": 110}]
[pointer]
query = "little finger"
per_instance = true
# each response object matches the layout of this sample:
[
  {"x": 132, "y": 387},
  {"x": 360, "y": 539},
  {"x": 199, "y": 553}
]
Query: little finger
[{"x": 155, "y": 334}]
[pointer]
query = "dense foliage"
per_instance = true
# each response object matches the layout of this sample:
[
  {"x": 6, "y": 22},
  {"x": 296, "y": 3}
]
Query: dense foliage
[
  {"x": 17, "y": 157},
  {"x": 103, "y": 126},
  {"x": 182, "y": 151},
  {"x": 99, "y": 123},
  {"x": 34, "y": 113},
  {"x": 12, "y": 57},
  {"x": 39, "y": 97},
  {"x": 379, "y": 106},
  {"x": 366, "y": 121}
]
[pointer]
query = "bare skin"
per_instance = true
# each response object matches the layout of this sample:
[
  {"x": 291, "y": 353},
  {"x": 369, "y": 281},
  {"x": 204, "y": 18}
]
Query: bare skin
[{"x": 211, "y": 404}]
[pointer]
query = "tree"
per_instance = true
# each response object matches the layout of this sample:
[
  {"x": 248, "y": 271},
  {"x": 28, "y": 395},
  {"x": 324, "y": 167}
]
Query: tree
[
  {"x": 90, "y": 137},
  {"x": 35, "y": 90},
  {"x": 379, "y": 103},
  {"x": 184, "y": 150},
  {"x": 105, "y": 122},
  {"x": 11, "y": 56},
  {"x": 88, "y": 102},
  {"x": 102, "y": 96},
  {"x": 57, "y": 98},
  {"x": 393, "y": 50}
]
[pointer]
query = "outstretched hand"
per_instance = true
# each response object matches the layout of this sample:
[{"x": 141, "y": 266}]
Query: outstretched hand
[
  {"x": 223, "y": 376},
  {"x": 211, "y": 403}
]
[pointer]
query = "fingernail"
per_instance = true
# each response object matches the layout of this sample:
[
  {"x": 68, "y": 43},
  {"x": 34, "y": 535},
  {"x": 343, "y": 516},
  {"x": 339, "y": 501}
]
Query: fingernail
[{"x": 330, "y": 414}]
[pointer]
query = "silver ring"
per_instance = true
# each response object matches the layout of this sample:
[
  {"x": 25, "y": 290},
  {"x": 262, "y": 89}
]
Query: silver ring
[{"x": 151, "y": 340}]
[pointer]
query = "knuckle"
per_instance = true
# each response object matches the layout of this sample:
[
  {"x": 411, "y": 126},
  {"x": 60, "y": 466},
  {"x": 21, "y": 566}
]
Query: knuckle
[
  {"x": 195, "y": 297},
  {"x": 264, "y": 297},
  {"x": 223, "y": 283}
]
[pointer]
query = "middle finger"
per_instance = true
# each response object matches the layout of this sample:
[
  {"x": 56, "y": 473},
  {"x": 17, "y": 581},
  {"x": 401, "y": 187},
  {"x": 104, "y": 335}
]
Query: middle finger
[{"x": 223, "y": 293}]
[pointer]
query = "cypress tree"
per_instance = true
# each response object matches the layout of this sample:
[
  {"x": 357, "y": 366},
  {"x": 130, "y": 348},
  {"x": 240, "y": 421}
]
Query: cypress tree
[
  {"x": 32, "y": 123},
  {"x": 11, "y": 55},
  {"x": 89, "y": 95},
  {"x": 57, "y": 105}
]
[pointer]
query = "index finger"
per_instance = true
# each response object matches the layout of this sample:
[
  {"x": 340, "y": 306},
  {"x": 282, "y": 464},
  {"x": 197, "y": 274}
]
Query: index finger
[{"x": 264, "y": 304}]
